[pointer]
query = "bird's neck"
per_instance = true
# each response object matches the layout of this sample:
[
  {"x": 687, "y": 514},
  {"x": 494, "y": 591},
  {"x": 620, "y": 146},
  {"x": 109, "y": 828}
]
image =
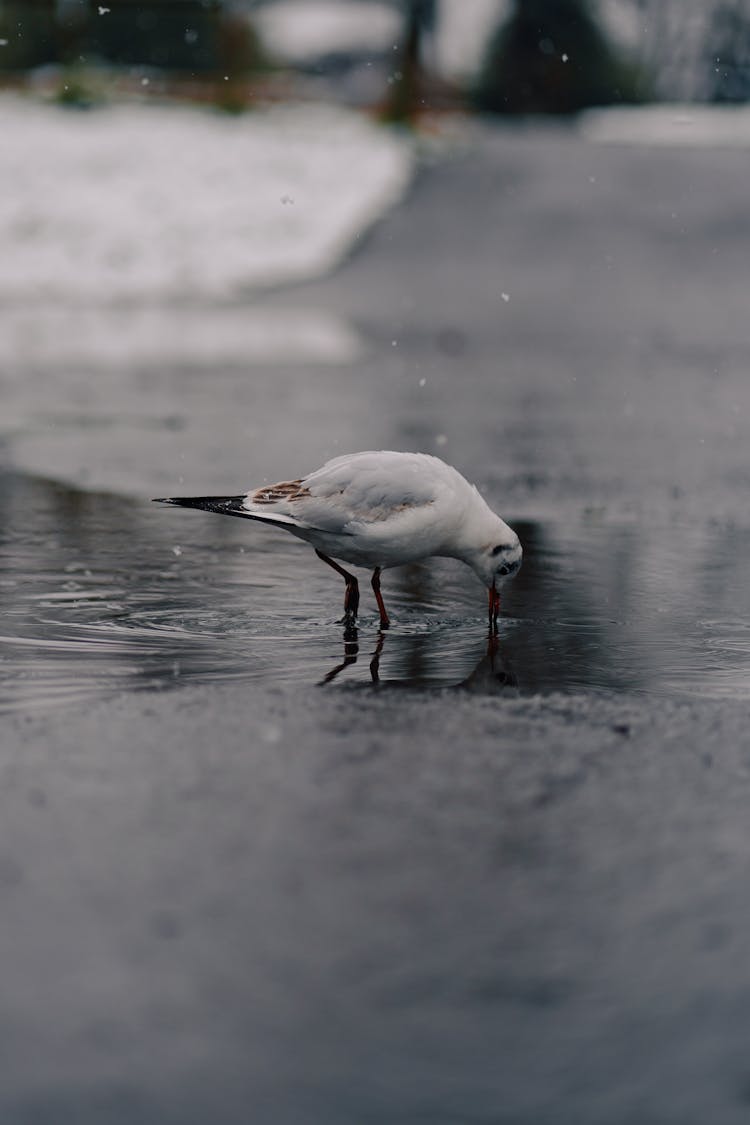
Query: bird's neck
[{"x": 477, "y": 529}]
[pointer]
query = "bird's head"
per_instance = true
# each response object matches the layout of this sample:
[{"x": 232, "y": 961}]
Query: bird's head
[
  {"x": 495, "y": 563},
  {"x": 499, "y": 559}
]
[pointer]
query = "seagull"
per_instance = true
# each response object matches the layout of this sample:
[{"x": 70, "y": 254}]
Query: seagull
[{"x": 381, "y": 509}]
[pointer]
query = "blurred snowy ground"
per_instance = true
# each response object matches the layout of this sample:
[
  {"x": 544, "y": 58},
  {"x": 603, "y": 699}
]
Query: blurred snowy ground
[
  {"x": 134, "y": 240},
  {"x": 163, "y": 203},
  {"x": 675, "y": 126}
]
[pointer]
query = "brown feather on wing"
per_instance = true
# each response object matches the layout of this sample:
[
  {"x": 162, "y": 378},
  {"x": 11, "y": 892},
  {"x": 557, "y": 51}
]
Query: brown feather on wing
[{"x": 285, "y": 490}]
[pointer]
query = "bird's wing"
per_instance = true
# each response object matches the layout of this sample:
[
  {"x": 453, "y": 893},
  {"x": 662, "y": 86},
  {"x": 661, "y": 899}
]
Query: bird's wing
[{"x": 351, "y": 491}]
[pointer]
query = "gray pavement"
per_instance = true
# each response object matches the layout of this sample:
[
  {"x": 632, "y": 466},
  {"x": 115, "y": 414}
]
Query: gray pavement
[{"x": 397, "y": 906}]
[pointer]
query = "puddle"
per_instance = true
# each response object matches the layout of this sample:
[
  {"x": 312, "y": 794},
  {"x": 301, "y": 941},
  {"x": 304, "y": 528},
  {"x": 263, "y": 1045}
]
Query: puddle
[{"x": 100, "y": 595}]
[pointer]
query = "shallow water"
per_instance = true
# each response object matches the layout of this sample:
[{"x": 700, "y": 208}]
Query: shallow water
[{"x": 102, "y": 595}]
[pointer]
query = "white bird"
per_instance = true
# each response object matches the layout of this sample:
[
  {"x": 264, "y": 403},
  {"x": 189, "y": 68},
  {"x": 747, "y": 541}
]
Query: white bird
[{"x": 382, "y": 509}]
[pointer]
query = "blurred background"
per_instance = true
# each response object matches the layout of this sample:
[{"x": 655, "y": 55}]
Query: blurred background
[
  {"x": 501, "y": 55},
  {"x": 400, "y": 60}
]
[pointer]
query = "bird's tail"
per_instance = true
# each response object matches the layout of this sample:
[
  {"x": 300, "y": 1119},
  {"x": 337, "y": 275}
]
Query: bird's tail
[{"x": 227, "y": 505}]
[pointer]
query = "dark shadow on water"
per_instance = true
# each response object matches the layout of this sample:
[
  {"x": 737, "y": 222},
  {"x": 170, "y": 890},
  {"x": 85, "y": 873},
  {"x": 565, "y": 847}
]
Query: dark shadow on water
[{"x": 100, "y": 595}]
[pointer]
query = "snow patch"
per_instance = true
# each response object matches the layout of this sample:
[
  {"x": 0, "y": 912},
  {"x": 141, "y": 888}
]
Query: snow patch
[
  {"x": 158, "y": 202},
  {"x": 463, "y": 32},
  {"x": 674, "y": 125},
  {"x": 300, "y": 31}
]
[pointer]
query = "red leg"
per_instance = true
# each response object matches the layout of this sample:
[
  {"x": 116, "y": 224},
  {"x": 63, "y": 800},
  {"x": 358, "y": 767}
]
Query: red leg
[
  {"x": 384, "y": 621},
  {"x": 351, "y": 597}
]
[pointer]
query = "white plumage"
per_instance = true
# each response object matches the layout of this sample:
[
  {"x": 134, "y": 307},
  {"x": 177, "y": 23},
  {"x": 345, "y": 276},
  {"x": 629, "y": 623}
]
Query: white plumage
[{"x": 383, "y": 509}]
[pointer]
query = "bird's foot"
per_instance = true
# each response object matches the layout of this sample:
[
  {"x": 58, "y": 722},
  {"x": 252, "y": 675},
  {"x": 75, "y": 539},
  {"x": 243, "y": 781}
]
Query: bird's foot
[{"x": 349, "y": 621}]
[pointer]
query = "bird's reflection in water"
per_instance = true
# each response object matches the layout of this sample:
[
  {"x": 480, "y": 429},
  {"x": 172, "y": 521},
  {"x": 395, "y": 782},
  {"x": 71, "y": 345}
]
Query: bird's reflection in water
[
  {"x": 351, "y": 652},
  {"x": 493, "y": 674}
]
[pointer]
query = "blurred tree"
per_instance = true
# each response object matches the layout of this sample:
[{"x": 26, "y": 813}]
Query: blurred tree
[
  {"x": 402, "y": 102},
  {"x": 550, "y": 56},
  {"x": 29, "y": 29},
  {"x": 728, "y": 50},
  {"x": 72, "y": 21},
  {"x": 240, "y": 54},
  {"x": 170, "y": 34}
]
